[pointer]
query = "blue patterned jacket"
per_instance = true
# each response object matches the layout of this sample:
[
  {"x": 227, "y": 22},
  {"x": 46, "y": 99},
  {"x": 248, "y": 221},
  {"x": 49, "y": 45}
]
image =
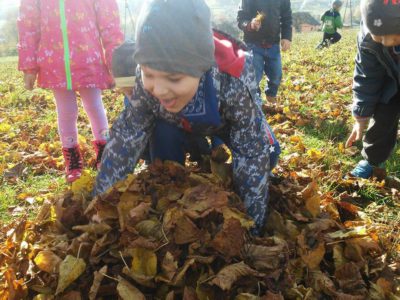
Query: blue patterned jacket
[{"x": 243, "y": 128}]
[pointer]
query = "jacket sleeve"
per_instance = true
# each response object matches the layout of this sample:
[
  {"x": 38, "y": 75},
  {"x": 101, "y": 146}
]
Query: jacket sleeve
[
  {"x": 368, "y": 83},
  {"x": 29, "y": 35},
  {"x": 338, "y": 21},
  {"x": 108, "y": 23},
  {"x": 249, "y": 145},
  {"x": 286, "y": 20},
  {"x": 128, "y": 138},
  {"x": 244, "y": 16},
  {"x": 323, "y": 17}
]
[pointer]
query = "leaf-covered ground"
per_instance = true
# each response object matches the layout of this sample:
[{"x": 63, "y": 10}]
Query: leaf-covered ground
[{"x": 336, "y": 239}]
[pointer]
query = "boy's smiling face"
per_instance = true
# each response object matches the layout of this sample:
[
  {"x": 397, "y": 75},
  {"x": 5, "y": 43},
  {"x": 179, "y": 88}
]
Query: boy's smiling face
[
  {"x": 388, "y": 40},
  {"x": 174, "y": 91}
]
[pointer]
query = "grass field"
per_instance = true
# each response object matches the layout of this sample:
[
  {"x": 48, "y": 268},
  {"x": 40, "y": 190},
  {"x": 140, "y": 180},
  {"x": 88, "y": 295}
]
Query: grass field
[{"x": 312, "y": 126}]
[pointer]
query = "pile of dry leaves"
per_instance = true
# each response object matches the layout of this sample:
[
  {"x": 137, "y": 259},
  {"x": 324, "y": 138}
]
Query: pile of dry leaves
[{"x": 172, "y": 233}]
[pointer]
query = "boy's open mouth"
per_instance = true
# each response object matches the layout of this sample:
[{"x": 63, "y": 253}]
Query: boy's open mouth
[{"x": 168, "y": 103}]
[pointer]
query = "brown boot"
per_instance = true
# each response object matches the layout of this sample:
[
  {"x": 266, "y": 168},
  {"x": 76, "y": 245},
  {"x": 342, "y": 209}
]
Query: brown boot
[
  {"x": 99, "y": 148},
  {"x": 73, "y": 163}
]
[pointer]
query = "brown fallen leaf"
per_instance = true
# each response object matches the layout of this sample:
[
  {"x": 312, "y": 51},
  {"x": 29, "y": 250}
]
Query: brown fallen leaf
[
  {"x": 231, "y": 273},
  {"x": 311, "y": 255},
  {"x": 98, "y": 277},
  {"x": 94, "y": 228},
  {"x": 312, "y": 199},
  {"x": 128, "y": 291},
  {"x": 230, "y": 240}
]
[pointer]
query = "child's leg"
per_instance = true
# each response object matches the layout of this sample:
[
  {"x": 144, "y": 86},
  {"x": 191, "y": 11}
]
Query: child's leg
[
  {"x": 380, "y": 138},
  {"x": 335, "y": 37},
  {"x": 273, "y": 70},
  {"x": 67, "y": 112},
  {"x": 93, "y": 105}
]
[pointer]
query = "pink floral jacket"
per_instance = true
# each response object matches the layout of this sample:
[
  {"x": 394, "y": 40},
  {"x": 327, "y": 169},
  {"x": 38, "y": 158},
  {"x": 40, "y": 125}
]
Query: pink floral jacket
[{"x": 69, "y": 43}]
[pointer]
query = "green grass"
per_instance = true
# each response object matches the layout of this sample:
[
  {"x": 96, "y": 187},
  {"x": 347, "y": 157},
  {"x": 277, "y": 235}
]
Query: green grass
[
  {"x": 30, "y": 186},
  {"x": 7, "y": 59}
]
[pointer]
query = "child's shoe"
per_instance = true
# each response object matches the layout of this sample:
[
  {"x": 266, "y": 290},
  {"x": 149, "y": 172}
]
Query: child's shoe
[
  {"x": 99, "y": 148},
  {"x": 73, "y": 163},
  {"x": 362, "y": 170}
]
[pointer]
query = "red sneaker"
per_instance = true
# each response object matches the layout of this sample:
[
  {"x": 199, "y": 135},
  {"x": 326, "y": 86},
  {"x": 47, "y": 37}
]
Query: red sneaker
[
  {"x": 73, "y": 163},
  {"x": 99, "y": 148}
]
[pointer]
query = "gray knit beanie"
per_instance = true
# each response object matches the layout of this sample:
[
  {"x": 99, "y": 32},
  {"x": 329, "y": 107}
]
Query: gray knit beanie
[
  {"x": 382, "y": 17},
  {"x": 175, "y": 36}
]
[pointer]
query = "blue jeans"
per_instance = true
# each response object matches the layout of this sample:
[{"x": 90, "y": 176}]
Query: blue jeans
[{"x": 268, "y": 60}]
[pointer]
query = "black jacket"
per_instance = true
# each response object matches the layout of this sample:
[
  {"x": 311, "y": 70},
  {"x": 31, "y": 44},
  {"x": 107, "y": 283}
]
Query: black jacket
[{"x": 277, "y": 23}]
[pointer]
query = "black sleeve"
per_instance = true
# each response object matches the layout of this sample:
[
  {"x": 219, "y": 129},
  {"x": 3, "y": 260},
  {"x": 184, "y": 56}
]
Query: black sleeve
[
  {"x": 244, "y": 16},
  {"x": 286, "y": 20}
]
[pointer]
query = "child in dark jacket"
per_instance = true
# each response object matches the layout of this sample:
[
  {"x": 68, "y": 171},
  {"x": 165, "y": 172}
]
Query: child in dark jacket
[
  {"x": 179, "y": 87},
  {"x": 376, "y": 93},
  {"x": 331, "y": 21}
]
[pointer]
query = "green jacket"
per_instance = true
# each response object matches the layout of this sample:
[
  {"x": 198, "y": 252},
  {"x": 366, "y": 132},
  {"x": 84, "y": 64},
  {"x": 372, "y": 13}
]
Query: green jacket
[{"x": 331, "y": 20}]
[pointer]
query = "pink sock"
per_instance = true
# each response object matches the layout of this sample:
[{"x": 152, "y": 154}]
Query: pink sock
[
  {"x": 67, "y": 111},
  {"x": 93, "y": 105}
]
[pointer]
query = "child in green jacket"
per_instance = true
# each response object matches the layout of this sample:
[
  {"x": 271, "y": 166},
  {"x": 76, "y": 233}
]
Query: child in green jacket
[{"x": 331, "y": 21}]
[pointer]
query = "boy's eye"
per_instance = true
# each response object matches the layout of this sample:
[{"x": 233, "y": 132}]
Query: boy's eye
[{"x": 174, "y": 79}]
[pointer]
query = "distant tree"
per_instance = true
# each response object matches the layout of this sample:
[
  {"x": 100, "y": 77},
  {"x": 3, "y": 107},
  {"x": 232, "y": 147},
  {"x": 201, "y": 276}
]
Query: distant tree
[{"x": 10, "y": 34}]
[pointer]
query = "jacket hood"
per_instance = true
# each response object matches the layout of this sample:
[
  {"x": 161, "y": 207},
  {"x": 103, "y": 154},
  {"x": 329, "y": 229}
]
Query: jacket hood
[{"x": 229, "y": 54}]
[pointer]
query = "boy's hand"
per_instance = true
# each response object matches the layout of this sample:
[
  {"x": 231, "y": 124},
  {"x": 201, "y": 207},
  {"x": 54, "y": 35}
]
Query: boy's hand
[
  {"x": 358, "y": 129},
  {"x": 255, "y": 24},
  {"x": 285, "y": 44},
  {"x": 29, "y": 80}
]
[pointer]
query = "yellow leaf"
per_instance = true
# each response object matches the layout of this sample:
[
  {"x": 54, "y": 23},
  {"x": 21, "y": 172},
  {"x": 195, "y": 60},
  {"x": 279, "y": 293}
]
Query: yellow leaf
[
  {"x": 314, "y": 154},
  {"x": 4, "y": 127},
  {"x": 349, "y": 233},
  {"x": 47, "y": 261},
  {"x": 341, "y": 147},
  {"x": 144, "y": 262},
  {"x": 84, "y": 184},
  {"x": 286, "y": 110},
  {"x": 295, "y": 139},
  {"x": 70, "y": 269}
]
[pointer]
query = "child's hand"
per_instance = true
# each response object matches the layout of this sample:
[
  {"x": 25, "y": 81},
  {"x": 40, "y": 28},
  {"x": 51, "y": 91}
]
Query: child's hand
[
  {"x": 358, "y": 129},
  {"x": 29, "y": 80},
  {"x": 285, "y": 44},
  {"x": 255, "y": 24}
]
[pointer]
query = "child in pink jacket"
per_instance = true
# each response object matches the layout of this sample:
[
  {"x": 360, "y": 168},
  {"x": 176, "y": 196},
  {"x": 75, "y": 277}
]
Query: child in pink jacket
[{"x": 67, "y": 46}]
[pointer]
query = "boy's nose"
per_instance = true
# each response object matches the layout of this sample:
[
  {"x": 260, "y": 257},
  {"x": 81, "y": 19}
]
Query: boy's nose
[{"x": 159, "y": 90}]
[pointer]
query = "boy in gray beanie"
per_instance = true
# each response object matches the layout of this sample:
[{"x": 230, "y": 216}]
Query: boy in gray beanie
[
  {"x": 192, "y": 83},
  {"x": 376, "y": 93}
]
